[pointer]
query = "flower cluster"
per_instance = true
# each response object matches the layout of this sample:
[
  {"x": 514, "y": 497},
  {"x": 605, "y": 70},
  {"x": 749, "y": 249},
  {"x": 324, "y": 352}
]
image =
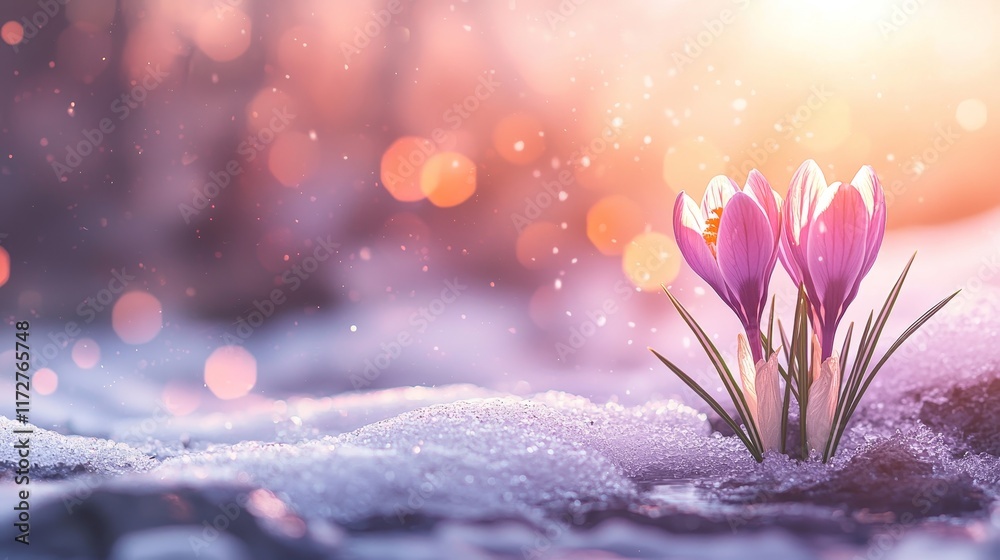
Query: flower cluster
[{"x": 827, "y": 237}]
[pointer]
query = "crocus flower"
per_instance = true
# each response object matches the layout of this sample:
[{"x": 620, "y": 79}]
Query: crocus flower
[
  {"x": 760, "y": 390},
  {"x": 831, "y": 236},
  {"x": 731, "y": 242},
  {"x": 824, "y": 390}
]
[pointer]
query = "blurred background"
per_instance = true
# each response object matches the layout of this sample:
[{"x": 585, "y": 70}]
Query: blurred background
[{"x": 207, "y": 203}]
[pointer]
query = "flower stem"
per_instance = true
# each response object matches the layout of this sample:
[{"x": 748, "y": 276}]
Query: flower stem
[
  {"x": 756, "y": 342},
  {"x": 829, "y": 333}
]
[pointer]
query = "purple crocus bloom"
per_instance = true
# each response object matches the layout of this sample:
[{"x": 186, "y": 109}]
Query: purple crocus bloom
[
  {"x": 731, "y": 241},
  {"x": 831, "y": 236}
]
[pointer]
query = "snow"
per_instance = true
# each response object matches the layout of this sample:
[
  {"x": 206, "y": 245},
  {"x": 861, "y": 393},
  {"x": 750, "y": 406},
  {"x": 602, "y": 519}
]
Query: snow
[
  {"x": 55, "y": 456},
  {"x": 478, "y": 458},
  {"x": 470, "y": 471}
]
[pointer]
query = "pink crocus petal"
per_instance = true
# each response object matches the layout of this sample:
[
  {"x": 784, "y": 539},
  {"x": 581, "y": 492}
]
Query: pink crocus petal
[
  {"x": 868, "y": 184},
  {"x": 823, "y": 394},
  {"x": 747, "y": 375},
  {"x": 689, "y": 227},
  {"x": 836, "y": 252},
  {"x": 807, "y": 183},
  {"x": 769, "y": 403},
  {"x": 745, "y": 254},
  {"x": 761, "y": 191},
  {"x": 720, "y": 189}
]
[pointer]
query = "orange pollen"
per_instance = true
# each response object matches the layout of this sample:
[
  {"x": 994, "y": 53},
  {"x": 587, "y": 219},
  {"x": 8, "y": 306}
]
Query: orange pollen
[{"x": 711, "y": 234}]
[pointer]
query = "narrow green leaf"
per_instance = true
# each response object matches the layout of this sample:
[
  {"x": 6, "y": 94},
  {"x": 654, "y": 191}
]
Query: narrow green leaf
[
  {"x": 714, "y": 404},
  {"x": 790, "y": 374},
  {"x": 785, "y": 404},
  {"x": 800, "y": 338},
  {"x": 883, "y": 316},
  {"x": 770, "y": 330},
  {"x": 844, "y": 351},
  {"x": 728, "y": 380},
  {"x": 895, "y": 346}
]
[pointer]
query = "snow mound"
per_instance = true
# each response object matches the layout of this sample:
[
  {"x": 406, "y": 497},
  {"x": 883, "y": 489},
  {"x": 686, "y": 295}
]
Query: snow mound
[
  {"x": 55, "y": 456},
  {"x": 284, "y": 421},
  {"x": 480, "y": 459}
]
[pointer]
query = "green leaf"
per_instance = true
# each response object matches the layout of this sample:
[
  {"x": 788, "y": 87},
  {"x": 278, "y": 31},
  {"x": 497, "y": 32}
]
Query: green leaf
[
  {"x": 735, "y": 392},
  {"x": 800, "y": 350},
  {"x": 853, "y": 405},
  {"x": 864, "y": 359},
  {"x": 714, "y": 404},
  {"x": 861, "y": 376},
  {"x": 844, "y": 351},
  {"x": 770, "y": 330}
]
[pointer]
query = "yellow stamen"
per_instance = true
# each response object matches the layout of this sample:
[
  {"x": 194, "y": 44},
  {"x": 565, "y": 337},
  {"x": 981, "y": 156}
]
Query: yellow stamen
[{"x": 711, "y": 233}]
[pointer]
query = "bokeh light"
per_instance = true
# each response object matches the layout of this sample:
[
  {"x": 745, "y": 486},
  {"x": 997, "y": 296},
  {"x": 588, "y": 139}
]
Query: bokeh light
[
  {"x": 137, "y": 317},
  {"x": 179, "y": 398},
  {"x": 612, "y": 222},
  {"x": 12, "y": 33},
  {"x": 223, "y": 35},
  {"x": 448, "y": 179},
  {"x": 402, "y": 164},
  {"x": 44, "y": 381},
  {"x": 293, "y": 158},
  {"x": 230, "y": 372},
  {"x": 519, "y": 139},
  {"x": 86, "y": 353},
  {"x": 971, "y": 114},
  {"x": 4, "y": 266},
  {"x": 651, "y": 259}
]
